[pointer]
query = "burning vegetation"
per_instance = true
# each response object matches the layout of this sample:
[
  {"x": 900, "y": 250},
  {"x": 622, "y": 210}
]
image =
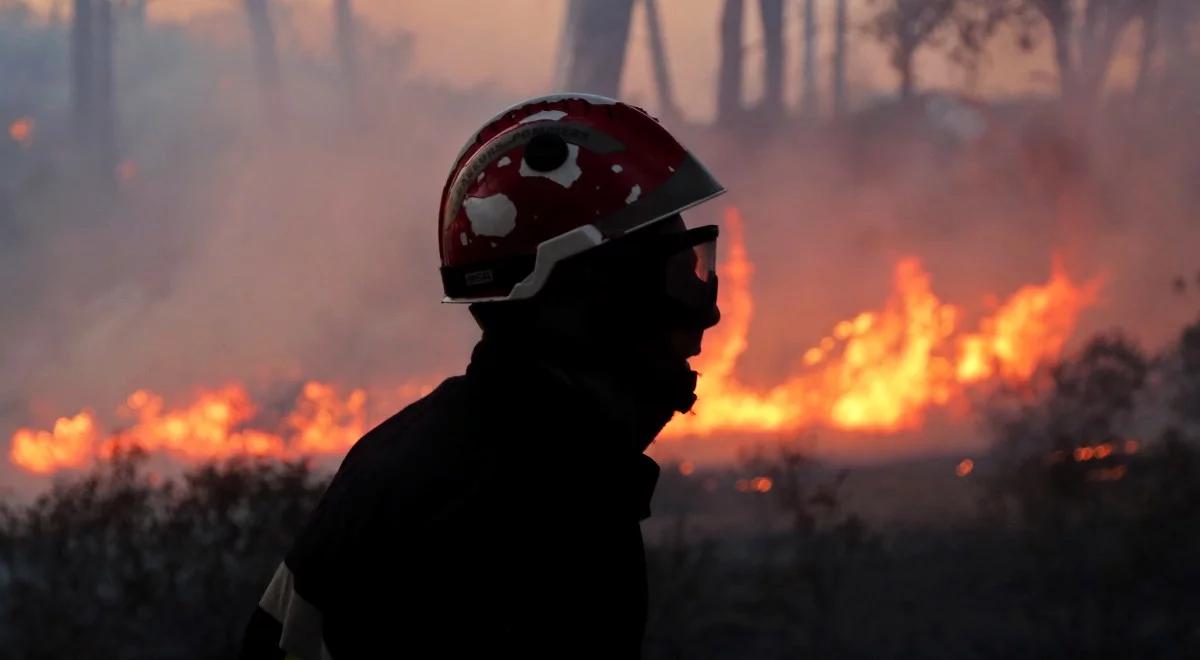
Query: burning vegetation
[
  {"x": 879, "y": 371},
  {"x": 207, "y": 209}
]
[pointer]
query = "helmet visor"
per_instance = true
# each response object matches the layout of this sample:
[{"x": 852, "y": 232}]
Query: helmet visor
[{"x": 691, "y": 272}]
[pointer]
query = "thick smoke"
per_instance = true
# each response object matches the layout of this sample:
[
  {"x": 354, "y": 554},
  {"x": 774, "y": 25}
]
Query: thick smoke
[{"x": 274, "y": 239}]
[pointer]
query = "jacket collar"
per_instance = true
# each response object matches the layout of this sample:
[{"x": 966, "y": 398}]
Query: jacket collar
[{"x": 584, "y": 418}]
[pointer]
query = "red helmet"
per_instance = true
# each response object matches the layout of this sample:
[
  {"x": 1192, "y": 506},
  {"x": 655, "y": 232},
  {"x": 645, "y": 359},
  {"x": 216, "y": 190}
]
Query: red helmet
[{"x": 553, "y": 177}]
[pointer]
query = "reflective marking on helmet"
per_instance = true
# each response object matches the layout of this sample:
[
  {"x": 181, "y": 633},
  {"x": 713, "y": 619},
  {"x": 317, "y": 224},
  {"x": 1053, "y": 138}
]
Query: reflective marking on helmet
[
  {"x": 565, "y": 174},
  {"x": 494, "y": 215},
  {"x": 549, "y": 253},
  {"x": 594, "y": 99},
  {"x": 504, "y": 161},
  {"x": 617, "y": 168},
  {"x": 634, "y": 193},
  {"x": 574, "y": 133},
  {"x": 463, "y": 237},
  {"x": 544, "y": 115},
  {"x": 479, "y": 277}
]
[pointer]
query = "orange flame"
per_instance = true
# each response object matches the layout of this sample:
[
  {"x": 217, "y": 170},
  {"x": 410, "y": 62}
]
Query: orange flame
[
  {"x": 214, "y": 426},
  {"x": 880, "y": 370},
  {"x": 69, "y": 445},
  {"x": 1031, "y": 327}
]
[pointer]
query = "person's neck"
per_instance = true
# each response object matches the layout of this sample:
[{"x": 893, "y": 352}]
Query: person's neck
[{"x": 637, "y": 396}]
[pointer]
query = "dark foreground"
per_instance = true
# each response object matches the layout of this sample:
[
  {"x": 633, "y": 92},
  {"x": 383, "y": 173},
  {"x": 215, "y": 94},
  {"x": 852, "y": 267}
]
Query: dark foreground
[{"x": 111, "y": 566}]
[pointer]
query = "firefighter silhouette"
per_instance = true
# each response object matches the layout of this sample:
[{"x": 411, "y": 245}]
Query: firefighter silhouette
[{"x": 499, "y": 515}]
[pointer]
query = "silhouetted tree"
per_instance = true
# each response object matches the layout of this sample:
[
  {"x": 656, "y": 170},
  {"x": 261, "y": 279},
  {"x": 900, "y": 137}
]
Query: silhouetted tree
[
  {"x": 346, "y": 45},
  {"x": 906, "y": 25},
  {"x": 266, "y": 60},
  {"x": 105, "y": 113},
  {"x": 1150, "y": 20},
  {"x": 839, "y": 58},
  {"x": 82, "y": 79},
  {"x": 809, "y": 96},
  {"x": 658, "y": 60},
  {"x": 1178, "y": 21},
  {"x": 93, "y": 99},
  {"x": 1083, "y": 36},
  {"x": 592, "y": 51},
  {"x": 774, "y": 54},
  {"x": 729, "y": 74},
  {"x": 136, "y": 11}
]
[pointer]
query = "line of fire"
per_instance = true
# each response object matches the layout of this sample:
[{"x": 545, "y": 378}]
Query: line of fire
[{"x": 950, "y": 409}]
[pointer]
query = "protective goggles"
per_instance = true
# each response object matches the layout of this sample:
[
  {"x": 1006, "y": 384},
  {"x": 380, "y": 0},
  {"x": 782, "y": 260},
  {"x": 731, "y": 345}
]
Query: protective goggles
[{"x": 681, "y": 265}]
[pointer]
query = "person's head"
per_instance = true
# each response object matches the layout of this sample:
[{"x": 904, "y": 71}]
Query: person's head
[{"x": 561, "y": 225}]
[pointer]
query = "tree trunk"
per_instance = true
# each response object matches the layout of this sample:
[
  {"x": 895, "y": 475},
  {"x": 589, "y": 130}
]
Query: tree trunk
[
  {"x": 82, "y": 96},
  {"x": 1150, "y": 25},
  {"x": 1178, "y": 58},
  {"x": 262, "y": 34},
  {"x": 57, "y": 15},
  {"x": 1062, "y": 58},
  {"x": 595, "y": 38},
  {"x": 904, "y": 67},
  {"x": 137, "y": 12},
  {"x": 1058, "y": 15},
  {"x": 809, "y": 100},
  {"x": 1104, "y": 24},
  {"x": 771, "y": 12},
  {"x": 105, "y": 115},
  {"x": 839, "y": 59},
  {"x": 658, "y": 56},
  {"x": 729, "y": 77},
  {"x": 566, "y": 45},
  {"x": 346, "y": 45}
]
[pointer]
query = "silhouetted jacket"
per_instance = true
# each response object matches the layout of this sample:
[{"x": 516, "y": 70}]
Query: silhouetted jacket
[{"x": 498, "y": 515}]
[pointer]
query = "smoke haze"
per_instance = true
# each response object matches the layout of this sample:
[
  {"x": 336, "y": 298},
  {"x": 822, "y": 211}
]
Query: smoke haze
[{"x": 272, "y": 240}]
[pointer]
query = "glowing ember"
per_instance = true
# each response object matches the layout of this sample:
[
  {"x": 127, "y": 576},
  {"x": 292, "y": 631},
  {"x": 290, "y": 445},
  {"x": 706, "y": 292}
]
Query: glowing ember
[
  {"x": 216, "y": 425},
  {"x": 965, "y": 466},
  {"x": 1103, "y": 450},
  {"x": 21, "y": 131},
  {"x": 880, "y": 370},
  {"x": 755, "y": 485},
  {"x": 1115, "y": 473}
]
